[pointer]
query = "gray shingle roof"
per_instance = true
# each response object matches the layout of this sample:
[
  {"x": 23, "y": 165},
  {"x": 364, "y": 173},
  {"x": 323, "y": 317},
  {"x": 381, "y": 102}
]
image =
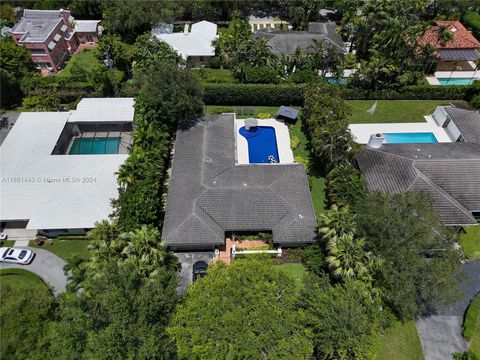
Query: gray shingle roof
[
  {"x": 37, "y": 24},
  {"x": 467, "y": 121},
  {"x": 209, "y": 194},
  {"x": 287, "y": 42},
  {"x": 449, "y": 172}
]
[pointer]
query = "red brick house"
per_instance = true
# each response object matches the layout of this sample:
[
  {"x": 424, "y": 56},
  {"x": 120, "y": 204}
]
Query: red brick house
[
  {"x": 453, "y": 43},
  {"x": 51, "y": 36}
]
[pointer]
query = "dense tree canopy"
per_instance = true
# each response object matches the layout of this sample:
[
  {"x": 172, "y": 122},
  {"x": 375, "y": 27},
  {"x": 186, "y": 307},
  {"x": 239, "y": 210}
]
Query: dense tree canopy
[
  {"x": 246, "y": 310},
  {"x": 420, "y": 262},
  {"x": 118, "y": 314}
]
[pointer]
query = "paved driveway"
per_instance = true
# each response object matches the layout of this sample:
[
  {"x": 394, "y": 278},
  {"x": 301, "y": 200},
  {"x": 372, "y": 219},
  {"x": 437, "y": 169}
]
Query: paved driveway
[
  {"x": 46, "y": 265},
  {"x": 441, "y": 333}
]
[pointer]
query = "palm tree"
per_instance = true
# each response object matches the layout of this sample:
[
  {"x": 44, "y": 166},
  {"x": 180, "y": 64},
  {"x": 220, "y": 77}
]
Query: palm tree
[
  {"x": 347, "y": 258},
  {"x": 444, "y": 35},
  {"x": 75, "y": 269}
]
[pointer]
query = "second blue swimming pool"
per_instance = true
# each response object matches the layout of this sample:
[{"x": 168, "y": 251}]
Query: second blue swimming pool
[
  {"x": 262, "y": 144},
  {"x": 100, "y": 145}
]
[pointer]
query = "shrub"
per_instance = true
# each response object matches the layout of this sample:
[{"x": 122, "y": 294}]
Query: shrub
[
  {"x": 253, "y": 94},
  {"x": 294, "y": 142},
  {"x": 305, "y": 162},
  {"x": 475, "y": 102},
  {"x": 41, "y": 103},
  {"x": 264, "y": 116},
  {"x": 214, "y": 62},
  {"x": 472, "y": 20},
  {"x": 260, "y": 75},
  {"x": 302, "y": 76}
]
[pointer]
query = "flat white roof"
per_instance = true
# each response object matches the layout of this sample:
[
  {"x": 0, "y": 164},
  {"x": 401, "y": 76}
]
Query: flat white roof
[
  {"x": 198, "y": 42},
  {"x": 86, "y": 25},
  {"x": 54, "y": 191},
  {"x": 103, "y": 110}
]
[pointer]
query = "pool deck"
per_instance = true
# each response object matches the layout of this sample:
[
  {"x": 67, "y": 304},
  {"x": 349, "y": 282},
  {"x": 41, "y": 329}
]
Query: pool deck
[
  {"x": 433, "y": 80},
  {"x": 361, "y": 132},
  {"x": 282, "y": 134}
]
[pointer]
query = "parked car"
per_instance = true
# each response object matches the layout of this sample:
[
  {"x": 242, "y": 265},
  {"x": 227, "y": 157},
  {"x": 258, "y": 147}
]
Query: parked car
[{"x": 16, "y": 255}]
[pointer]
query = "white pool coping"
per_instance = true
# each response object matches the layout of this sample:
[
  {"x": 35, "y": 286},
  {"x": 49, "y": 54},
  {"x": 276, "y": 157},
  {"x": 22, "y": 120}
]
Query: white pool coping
[
  {"x": 361, "y": 132},
  {"x": 282, "y": 134},
  {"x": 433, "y": 80}
]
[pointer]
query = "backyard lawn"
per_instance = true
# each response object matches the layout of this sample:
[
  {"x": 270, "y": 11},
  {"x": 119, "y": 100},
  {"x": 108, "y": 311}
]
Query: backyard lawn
[
  {"x": 86, "y": 59},
  {"x": 296, "y": 271},
  {"x": 19, "y": 277},
  {"x": 210, "y": 75},
  {"x": 472, "y": 325},
  {"x": 400, "y": 342},
  {"x": 389, "y": 111},
  {"x": 67, "y": 248},
  {"x": 470, "y": 242}
]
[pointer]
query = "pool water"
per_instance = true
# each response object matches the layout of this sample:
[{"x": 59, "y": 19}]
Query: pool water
[
  {"x": 262, "y": 144},
  {"x": 101, "y": 145},
  {"x": 410, "y": 138},
  {"x": 455, "y": 81}
]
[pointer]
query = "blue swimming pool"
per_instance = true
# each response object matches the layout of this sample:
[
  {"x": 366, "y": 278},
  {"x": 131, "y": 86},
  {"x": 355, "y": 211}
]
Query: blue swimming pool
[
  {"x": 455, "y": 81},
  {"x": 100, "y": 145},
  {"x": 262, "y": 144},
  {"x": 410, "y": 138}
]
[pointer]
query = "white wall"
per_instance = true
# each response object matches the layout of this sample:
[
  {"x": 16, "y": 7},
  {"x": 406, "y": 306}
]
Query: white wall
[
  {"x": 440, "y": 115},
  {"x": 453, "y": 131}
]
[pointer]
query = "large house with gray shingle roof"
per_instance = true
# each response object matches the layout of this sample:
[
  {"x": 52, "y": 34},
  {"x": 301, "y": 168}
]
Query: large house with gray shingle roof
[
  {"x": 448, "y": 172},
  {"x": 210, "y": 194},
  {"x": 460, "y": 124}
]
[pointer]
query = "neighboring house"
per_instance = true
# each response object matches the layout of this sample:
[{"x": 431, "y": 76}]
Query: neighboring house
[
  {"x": 460, "y": 124},
  {"x": 210, "y": 194},
  {"x": 194, "y": 46},
  {"x": 58, "y": 169},
  {"x": 448, "y": 172},
  {"x": 462, "y": 47},
  {"x": 287, "y": 42},
  {"x": 51, "y": 36},
  {"x": 88, "y": 31}
]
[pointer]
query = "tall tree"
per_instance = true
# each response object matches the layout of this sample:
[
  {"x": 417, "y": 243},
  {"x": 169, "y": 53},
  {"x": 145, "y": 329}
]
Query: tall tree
[
  {"x": 420, "y": 262},
  {"x": 244, "y": 311}
]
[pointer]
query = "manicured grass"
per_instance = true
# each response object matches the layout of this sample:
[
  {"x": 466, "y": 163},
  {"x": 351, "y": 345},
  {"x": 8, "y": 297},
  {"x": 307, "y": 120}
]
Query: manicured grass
[
  {"x": 296, "y": 271},
  {"x": 389, "y": 111},
  {"x": 7, "y": 243},
  {"x": 214, "y": 75},
  {"x": 19, "y": 277},
  {"x": 400, "y": 342},
  {"x": 86, "y": 59},
  {"x": 67, "y": 248},
  {"x": 470, "y": 242},
  {"x": 471, "y": 326}
]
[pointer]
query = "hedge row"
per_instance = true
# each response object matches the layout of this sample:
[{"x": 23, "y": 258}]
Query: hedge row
[
  {"x": 292, "y": 94},
  {"x": 65, "y": 96}
]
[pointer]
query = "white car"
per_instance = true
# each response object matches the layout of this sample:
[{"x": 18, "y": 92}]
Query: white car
[
  {"x": 16, "y": 255},
  {"x": 3, "y": 236}
]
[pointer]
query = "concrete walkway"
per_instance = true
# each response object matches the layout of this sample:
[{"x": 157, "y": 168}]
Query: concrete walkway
[
  {"x": 441, "y": 333},
  {"x": 46, "y": 265}
]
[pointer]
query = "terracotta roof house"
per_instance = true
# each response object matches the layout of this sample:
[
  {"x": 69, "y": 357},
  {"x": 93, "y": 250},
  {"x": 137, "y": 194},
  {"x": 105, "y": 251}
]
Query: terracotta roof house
[
  {"x": 462, "y": 46},
  {"x": 211, "y": 194},
  {"x": 52, "y": 36},
  {"x": 287, "y": 42}
]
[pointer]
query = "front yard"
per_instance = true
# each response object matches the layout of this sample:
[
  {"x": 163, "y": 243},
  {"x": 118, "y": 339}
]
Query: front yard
[
  {"x": 470, "y": 242},
  {"x": 67, "y": 248},
  {"x": 400, "y": 342}
]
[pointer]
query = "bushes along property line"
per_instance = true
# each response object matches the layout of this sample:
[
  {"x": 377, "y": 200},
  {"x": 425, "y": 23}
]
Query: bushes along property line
[{"x": 292, "y": 94}]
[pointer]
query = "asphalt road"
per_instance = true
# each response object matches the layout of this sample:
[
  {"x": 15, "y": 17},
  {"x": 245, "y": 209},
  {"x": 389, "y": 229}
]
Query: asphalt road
[
  {"x": 441, "y": 333},
  {"x": 46, "y": 265}
]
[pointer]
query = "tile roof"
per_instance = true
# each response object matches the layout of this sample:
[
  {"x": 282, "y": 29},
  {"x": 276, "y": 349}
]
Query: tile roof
[
  {"x": 462, "y": 38},
  {"x": 287, "y": 42},
  {"x": 209, "y": 194},
  {"x": 449, "y": 172},
  {"x": 467, "y": 122}
]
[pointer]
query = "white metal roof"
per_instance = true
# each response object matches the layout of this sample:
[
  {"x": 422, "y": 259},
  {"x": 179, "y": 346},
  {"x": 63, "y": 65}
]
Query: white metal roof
[
  {"x": 198, "y": 42},
  {"x": 54, "y": 191},
  {"x": 86, "y": 25},
  {"x": 103, "y": 110}
]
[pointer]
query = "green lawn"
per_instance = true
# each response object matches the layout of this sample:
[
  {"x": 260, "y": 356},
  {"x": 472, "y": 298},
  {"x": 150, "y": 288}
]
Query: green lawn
[
  {"x": 67, "y": 248},
  {"x": 19, "y": 277},
  {"x": 296, "y": 271},
  {"x": 7, "y": 243},
  {"x": 389, "y": 111},
  {"x": 472, "y": 325},
  {"x": 470, "y": 242},
  {"x": 400, "y": 342},
  {"x": 86, "y": 59},
  {"x": 214, "y": 75}
]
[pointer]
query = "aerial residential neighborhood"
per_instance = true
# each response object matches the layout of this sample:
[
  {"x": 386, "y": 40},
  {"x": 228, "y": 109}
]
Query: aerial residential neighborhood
[{"x": 270, "y": 179}]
